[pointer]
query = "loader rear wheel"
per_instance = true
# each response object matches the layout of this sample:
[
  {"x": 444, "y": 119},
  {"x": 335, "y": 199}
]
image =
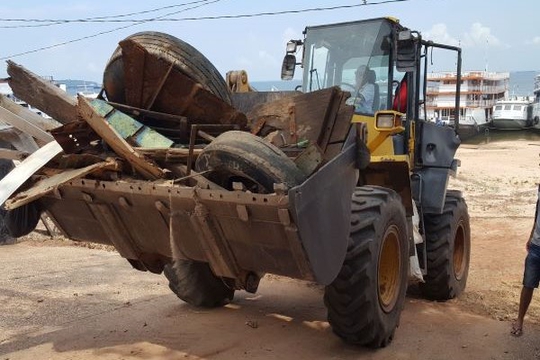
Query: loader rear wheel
[
  {"x": 185, "y": 58},
  {"x": 194, "y": 283},
  {"x": 365, "y": 301},
  {"x": 5, "y": 237},
  {"x": 448, "y": 238},
  {"x": 238, "y": 156}
]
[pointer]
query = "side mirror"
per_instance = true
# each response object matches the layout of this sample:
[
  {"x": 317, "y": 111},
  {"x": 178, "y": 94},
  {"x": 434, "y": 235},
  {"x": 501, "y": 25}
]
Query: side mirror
[
  {"x": 288, "y": 66},
  {"x": 406, "y": 58}
]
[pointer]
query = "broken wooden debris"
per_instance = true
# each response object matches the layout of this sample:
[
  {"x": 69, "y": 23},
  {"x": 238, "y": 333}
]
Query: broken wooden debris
[
  {"x": 38, "y": 120},
  {"x": 13, "y": 154},
  {"x": 76, "y": 137},
  {"x": 130, "y": 129},
  {"x": 19, "y": 140},
  {"x": 14, "y": 179},
  {"x": 47, "y": 185},
  {"x": 100, "y": 125},
  {"x": 41, "y": 94},
  {"x": 25, "y": 125}
]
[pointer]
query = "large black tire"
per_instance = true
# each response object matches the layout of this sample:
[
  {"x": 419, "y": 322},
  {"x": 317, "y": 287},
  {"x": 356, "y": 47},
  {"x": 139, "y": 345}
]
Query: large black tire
[
  {"x": 186, "y": 58},
  {"x": 365, "y": 301},
  {"x": 5, "y": 238},
  {"x": 194, "y": 283},
  {"x": 448, "y": 238},
  {"x": 238, "y": 156}
]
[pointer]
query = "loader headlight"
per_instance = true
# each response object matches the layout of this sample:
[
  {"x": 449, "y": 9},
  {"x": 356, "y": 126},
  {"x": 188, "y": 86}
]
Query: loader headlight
[
  {"x": 388, "y": 120},
  {"x": 385, "y": 121}
]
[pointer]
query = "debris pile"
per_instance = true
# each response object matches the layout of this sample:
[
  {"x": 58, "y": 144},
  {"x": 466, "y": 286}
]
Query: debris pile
[{"x": 166, "y": 115}]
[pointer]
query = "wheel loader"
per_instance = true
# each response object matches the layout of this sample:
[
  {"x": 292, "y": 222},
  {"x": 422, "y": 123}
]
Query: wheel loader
[{"x": 303, "y": 184}]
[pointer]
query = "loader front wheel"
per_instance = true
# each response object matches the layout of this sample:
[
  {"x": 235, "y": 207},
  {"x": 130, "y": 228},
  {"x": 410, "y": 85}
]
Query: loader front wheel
[
  {"x": 365, "y": 301},
  {"x": 195, "y": 283},
  {"x": 238, "y": 156},
  {"x": 448, "y": 238}
]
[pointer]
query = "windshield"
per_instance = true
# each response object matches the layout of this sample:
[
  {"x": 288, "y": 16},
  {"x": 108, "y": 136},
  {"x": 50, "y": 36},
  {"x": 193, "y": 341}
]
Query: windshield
[{"x": 353, "y": 56}]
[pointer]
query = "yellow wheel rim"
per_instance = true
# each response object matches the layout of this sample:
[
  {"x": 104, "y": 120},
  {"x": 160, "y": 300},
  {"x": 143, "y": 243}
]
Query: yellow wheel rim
[{"x": 389, "y": 271}]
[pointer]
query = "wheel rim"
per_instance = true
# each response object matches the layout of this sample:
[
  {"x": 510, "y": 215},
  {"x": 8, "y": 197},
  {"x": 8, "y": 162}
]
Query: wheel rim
[
  {"x": 389, "y": 270},
  {"x": 460, "y": 253}
]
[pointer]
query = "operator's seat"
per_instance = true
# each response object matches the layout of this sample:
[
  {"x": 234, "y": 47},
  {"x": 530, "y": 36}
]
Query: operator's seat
[{"x": 372, "y": 78}]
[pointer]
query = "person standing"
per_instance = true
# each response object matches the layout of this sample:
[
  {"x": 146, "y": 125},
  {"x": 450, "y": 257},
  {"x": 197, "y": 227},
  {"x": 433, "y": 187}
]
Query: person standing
[{"x": 531, "y": 275}]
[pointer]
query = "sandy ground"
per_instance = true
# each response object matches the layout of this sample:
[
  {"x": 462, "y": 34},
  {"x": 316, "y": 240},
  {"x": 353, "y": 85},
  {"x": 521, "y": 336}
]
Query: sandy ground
[{"x": 65, "y": 302}]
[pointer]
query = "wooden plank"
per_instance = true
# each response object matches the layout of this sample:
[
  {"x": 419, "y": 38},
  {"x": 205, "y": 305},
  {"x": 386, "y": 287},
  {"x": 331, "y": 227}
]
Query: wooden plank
[
  {"x": 12, "y": 181},
  {"x": 12, "y": 154},
  {"x": 24, "y": 125},
  {"x": 29, "y": 115},
  {"x": 47, "y": 185},
  {"x": 19, "y": 140},
  {"x": 41, "y": 94},
  {"x": 100, "y": 125}
]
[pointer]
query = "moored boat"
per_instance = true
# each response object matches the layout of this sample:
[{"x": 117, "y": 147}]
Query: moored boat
[
  {"x": 512, "y": 114},
  {"x": 535, "y": 106}
]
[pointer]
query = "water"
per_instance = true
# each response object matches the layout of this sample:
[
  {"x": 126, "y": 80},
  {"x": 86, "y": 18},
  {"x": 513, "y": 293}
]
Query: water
[
  {"x": 491, "y": 135},
  {"x": 276, "y": 85},
  {"x": 521, "y": 83}
]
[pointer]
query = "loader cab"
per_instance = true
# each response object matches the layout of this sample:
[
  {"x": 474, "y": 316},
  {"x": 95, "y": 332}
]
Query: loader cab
[
  {"x": 335, "y": 55},
  {"x": 398, "y": 133},
  {"x": 359, "y": 57}
]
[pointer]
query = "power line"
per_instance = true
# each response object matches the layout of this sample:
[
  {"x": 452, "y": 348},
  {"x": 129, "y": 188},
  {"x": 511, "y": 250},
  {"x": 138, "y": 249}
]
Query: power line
[
  {"x": 164, "y": 18},
  {"x": 205, "y": 2},
  {"x": 110, "y": 19},
  {"x": 51, "y": 22}
]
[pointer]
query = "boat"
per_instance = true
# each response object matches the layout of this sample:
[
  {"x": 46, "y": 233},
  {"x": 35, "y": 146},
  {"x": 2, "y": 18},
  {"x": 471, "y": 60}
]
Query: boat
[
  {"x": 480, "y": 91},
  {"x": 535, "y": 106},
  {"x": 512, "y": 114}
]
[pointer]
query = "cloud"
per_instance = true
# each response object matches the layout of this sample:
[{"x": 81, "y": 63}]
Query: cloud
[
  {"x": 439, "y": 33},
  {"x": 480, "y": 35},
  {"x": 534, "y": 41}
]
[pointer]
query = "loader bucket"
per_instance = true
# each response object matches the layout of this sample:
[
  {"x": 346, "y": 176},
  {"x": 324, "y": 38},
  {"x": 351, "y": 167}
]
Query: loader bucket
[{"x": 302, "y": 234}]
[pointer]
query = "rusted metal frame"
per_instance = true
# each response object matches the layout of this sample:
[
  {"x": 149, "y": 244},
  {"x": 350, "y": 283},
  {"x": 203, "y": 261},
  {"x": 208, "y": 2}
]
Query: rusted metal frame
[
  {"x": 219, "y": 254},
  {"x": 292, "y": 124},
  {"x": 111, "y": 222},
  {"x": 136, "y": 111},
  {"x": 134, "y": 59},
  {"x": 160, "y": 86}
]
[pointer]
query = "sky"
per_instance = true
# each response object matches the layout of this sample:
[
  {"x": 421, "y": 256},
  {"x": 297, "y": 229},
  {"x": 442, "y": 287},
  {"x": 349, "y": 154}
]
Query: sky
[{"x": 494, "y": 35}]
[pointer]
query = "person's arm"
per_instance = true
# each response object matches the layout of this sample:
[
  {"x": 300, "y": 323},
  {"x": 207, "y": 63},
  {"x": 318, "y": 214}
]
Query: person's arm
[{"x": 535, "y": 220}]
